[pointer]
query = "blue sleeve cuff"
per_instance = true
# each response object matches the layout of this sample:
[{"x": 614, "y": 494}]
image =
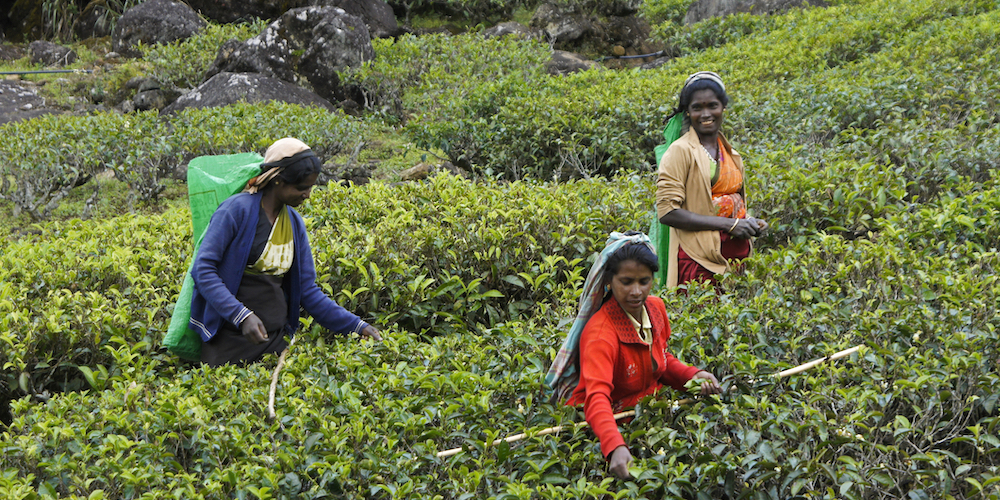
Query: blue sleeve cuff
[{"x": 361, "y": 326}]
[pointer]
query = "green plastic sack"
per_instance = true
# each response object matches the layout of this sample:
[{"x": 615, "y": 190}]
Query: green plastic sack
[
  {"x": 659, "y": 234},
  {"x": 210, "y": 179},
  {"x": 659, "y": 237}
]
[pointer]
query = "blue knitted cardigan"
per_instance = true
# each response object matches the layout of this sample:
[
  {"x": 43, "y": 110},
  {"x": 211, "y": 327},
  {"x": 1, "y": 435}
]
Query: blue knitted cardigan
[{"x": 222, "y": 258}]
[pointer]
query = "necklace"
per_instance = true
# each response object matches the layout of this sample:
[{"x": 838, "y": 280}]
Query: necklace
[{"x": 709, "y": 153}]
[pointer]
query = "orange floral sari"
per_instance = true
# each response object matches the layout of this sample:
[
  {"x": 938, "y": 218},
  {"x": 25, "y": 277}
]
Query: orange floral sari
[
  {"x": 726, "y": 191},
  {"x": 728, "y": 203}
]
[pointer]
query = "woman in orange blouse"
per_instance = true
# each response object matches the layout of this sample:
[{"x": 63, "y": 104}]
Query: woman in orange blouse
[{"x": 619, "y": 354}]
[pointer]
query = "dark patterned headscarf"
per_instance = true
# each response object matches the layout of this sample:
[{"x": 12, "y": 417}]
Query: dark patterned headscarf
[{"x": 284, "y": 153}]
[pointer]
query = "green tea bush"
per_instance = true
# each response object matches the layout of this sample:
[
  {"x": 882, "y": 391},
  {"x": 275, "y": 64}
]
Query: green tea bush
[
  {"x": 545, "y": 140},
  {"x": 183, "y": 63},
  {"x": 452, "y": 254},
  {"x": 713, "y": 32},
  {"x": 913, "y": 414},
  {"x": 599, "y": 122},
  {"x": 438, "y": 74},
  {"x": 73, "y": 289},
  {"x": 870, "y": 154},
  {"x": 434, "y": 258},
  {"x": 51, "y": 155},
  {"x": 664, "y": 11}
]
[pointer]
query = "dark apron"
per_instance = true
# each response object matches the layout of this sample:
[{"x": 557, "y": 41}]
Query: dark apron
[{"x": 262, "y": 294}]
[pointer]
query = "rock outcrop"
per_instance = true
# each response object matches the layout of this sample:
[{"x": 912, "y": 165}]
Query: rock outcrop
[
  {"x": 24, "y": 20},
  {"x": 18, "y": 103},
  {"x": 151, "y": 94},
  {"x": 570, "y": 29},
  {"x": 50, "y": 54},
  {"x": 154, "y": 21},
  {"x": 561, "y": 23},
  {"x": 619, "y": 7},
  {"x": 377, "y": 14},
  {"x": 563, "y": 62},
  {"x": 10, "y": 53},
  {"x": 228, "y": 88},
  {"x": 310, "y": 43}
]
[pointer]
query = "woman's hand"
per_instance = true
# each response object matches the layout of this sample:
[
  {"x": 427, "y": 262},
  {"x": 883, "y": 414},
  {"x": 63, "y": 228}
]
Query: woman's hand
[
  {"x": 253, "y": 329},
  {"x": 761, "y": 225},
  {"x": 371, "y": 332},
  {"x": 747, "y": 228},
  {"x": 620, "y": 460},
  {"x": 710, "y": 385}
]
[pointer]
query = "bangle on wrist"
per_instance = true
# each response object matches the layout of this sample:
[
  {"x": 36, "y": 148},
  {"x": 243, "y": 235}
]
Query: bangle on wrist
[{"x": 735, "y": 222}]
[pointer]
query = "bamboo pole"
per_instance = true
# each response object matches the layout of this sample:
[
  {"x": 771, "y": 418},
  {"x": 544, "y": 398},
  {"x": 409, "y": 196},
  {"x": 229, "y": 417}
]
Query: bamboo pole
[
  {"x": 631, "y": 413},
  {"x": 543, "y": 432},
  {"x": 274, "y": 380},
  {"x": 550, "y": 430},
  {"x": 806, "y": 366}
]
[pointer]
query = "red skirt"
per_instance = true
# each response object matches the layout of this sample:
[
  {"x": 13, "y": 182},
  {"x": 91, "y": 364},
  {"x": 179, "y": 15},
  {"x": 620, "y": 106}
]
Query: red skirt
[{"x": 689, "y": 270}]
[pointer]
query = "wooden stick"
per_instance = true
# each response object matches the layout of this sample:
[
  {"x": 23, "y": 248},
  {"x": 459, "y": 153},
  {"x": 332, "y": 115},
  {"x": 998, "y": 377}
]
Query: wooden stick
[
  {"x": 550, "y": 430},
  {"x": 804, "y": 367},
  {"x": 631, "y": 413},
  {"x": 274, "y": 380},
  {"x": 543, "y": 432}
]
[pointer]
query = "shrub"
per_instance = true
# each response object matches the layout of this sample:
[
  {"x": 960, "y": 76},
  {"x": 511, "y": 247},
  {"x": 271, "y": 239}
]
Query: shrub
[
  {"x": 436, "y": 73},
  {"x": 598, "y": 122},
  {"x": 664, "y": 11},
  {"x": 183, "y": 63},
  {"x": 60, "y": 16},
  {"x": 451, "y": 254},
  {"x": 53, "y": 154},
  {"x": 713, "y": 32},
  {"x": 873, "y": 163}
]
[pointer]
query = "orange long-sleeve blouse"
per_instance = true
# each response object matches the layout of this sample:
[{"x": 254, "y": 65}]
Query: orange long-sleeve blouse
[{"x": 618, "y": 368}]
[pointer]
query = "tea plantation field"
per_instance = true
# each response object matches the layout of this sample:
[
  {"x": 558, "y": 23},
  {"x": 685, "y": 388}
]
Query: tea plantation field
[{"x": 870, "y": 130}]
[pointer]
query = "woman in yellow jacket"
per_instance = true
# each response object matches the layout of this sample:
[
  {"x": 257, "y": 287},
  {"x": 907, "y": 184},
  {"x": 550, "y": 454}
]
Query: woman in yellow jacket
[{"x": 699, "y": 189}]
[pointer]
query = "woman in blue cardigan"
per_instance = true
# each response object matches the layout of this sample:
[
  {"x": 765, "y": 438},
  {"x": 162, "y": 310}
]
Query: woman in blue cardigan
[{"x": 255, "y": 269}]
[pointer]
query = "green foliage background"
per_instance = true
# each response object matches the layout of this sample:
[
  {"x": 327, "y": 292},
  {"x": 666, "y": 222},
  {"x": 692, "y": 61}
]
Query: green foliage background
[{"x": 870, "y": 130}]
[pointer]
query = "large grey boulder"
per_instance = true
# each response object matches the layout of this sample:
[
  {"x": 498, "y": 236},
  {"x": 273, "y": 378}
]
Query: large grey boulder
[
  {"x": 705, "y": 9},
  {"x": 627, "y": 31},
  {"x": 50, "y": 54},
  {"x": 310, "y": 43},
  {"x": 563, "y": 63},
  {"x": 18, "y": 103},
  {"x": 561, "y": 23},
  {"x": 10, "y": 53},
  {"x": 619, "y": 7},
  {"x": 228, "y": 11},
  {"x": 229, "y": 88},
  {"x": 154, "y": 21},
  {"x": 151, "y": 94},
  {"x": 377, "y": 14},
  {"x": 22, "y": 19}
]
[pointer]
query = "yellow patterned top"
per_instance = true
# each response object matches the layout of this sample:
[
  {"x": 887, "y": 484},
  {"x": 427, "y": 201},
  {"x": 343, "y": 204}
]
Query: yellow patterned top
[{"x": 276, "y": 259}]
